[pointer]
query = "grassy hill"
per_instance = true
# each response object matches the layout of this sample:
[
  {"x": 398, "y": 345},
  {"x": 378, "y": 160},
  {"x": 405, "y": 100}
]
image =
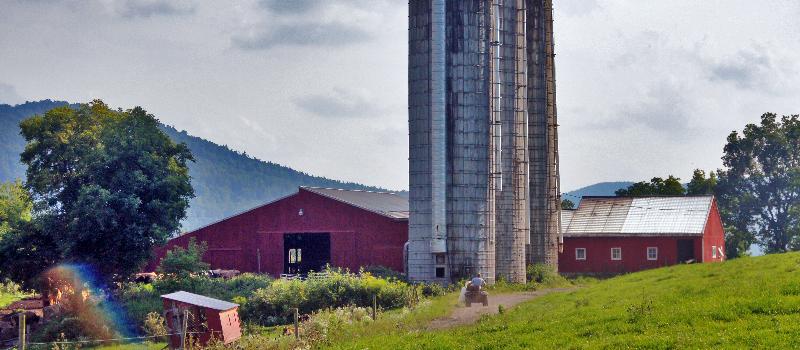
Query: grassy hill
[
  {"x": 225, "y": 181},
  {"x": 744, "y": 303}
]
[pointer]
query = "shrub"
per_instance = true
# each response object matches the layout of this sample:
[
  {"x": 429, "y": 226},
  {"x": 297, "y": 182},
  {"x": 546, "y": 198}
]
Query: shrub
[
  {"x": 540, "y": 273},
  {"x": 384, "y": 272},
  {"x": 275, "y": 304},
  {"x": 432, "y": 289},
  {"x": 141, "y": 299},
  {"x": 181, "y": 262},
  {"x": 155, "y": 326}
]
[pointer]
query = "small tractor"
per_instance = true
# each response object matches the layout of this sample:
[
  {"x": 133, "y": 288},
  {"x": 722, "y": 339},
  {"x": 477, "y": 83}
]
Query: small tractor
[{"x": 475, "y": 295}]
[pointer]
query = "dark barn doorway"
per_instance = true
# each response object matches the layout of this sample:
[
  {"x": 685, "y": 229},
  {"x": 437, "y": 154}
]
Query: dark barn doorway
[
  {"x": 685, "y": 250},
  {"x": 304, "y": 252}
]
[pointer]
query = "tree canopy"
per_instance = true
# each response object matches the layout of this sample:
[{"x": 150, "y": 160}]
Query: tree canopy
[
  {"x": 759, "y": 189},
  {"x": 15, "y": 206},
  {"x": 107, "y": 187},
  {"x": 671, "y": 186}
]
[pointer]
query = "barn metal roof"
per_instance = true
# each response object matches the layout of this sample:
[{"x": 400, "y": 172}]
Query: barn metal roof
[
  {"x": 644, "y": 216},
  {"x": 383, "y": 203},
  {"x": 199, "y": 300}
]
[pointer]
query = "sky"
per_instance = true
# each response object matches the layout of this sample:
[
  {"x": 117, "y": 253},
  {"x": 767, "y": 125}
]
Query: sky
[{"x": 644, "y": 87}]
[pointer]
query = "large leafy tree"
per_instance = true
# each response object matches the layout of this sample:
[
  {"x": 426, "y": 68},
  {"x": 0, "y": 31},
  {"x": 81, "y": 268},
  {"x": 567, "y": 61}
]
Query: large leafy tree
[
  {"x": 108, "y": 185},
  {"x": 671, "y": 186},
  {"x": 759, "y": 189}
]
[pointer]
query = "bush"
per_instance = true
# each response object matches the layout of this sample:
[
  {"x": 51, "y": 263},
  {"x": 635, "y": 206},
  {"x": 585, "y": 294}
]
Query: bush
[
  {"x": 384, "y": 272},
  {"x": 275, "y": 304},
  {"x": 182, "y": 262},
  {"x": 432, "y": 289},
  {"x": 155, "y": 326},
  {"x": 141, "y": 299},
  {"x": 541, "y": 273}
]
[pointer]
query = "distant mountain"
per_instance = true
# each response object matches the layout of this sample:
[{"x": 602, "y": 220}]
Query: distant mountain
[
  {"x": 225, "y": 181},
  {"x": 598, "y": 189}
]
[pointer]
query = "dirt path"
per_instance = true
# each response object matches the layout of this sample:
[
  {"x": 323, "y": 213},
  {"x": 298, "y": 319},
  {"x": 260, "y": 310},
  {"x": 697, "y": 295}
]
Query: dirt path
[{"x": 467, "y": 315}]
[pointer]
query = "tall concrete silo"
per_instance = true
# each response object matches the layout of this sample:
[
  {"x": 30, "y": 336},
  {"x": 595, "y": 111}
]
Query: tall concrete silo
[
  {"x": 470, "y": 139},
  {"x": 545, "y": 195}
]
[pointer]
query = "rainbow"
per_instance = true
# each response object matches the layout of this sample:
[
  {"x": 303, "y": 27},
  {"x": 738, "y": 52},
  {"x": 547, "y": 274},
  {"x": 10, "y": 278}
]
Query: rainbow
[{"x": 84, "y": 296}]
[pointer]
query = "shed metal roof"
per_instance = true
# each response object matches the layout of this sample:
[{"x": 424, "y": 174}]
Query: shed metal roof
[
  {"x": 383, "y": 203},
  {"x": 200, "y": 300},
  {"x": 644, "y": 216}
]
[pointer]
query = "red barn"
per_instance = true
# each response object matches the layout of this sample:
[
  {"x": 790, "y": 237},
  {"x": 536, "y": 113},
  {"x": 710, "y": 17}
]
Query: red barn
[
  {"x": 305, "y": 231},
  {"x": 608, "y": 235}
]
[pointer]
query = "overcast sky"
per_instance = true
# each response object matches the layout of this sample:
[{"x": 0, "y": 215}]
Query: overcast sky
[{"x": 645, "y": 88}]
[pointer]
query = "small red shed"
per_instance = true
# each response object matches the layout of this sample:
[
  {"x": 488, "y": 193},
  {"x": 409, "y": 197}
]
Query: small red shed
[
  {"x": 306, "y": 231},
  {"x": 610, "y": 235},
  {"x": 205, "y": 318}
]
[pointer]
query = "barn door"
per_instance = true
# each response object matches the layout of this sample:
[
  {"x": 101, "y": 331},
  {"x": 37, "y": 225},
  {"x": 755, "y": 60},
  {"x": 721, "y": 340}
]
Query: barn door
[
  {"x": 304, "y": 252},
  {"x": 685, "y": 250}
]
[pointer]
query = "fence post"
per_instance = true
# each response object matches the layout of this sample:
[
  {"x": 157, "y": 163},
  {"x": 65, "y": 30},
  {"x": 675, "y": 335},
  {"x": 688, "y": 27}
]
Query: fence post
[
  {"x": 296, "y": 323},
  {"x": 22, "y": 330},
  {"x": 374, "y": 307},
  {"x": 184, "y": 328}
]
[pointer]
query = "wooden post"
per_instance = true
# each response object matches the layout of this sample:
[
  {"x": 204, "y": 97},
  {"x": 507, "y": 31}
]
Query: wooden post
[
  {"x": 374, "y": 307},
  {"x": 296, "y": 323},
  {"x": 184, "y": 327},
  {"x": 22, "y": 329}
]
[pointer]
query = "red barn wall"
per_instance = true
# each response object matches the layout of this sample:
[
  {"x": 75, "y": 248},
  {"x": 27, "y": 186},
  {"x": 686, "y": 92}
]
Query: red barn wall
[
  {"x": 358, "y": 237},
  {"x": 634, "y": 254},
  {"x": 713, "y": 235}
]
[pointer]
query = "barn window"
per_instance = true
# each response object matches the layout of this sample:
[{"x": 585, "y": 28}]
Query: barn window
[
  {"x": 616, "y": 253},
  {"x": 714, "y": 251},
  {"x": 295, "y": 256},
  {"x": 652, "y": 253},
  {"x": 440, "y": 272},
  {"x": 580, "y": 253}
]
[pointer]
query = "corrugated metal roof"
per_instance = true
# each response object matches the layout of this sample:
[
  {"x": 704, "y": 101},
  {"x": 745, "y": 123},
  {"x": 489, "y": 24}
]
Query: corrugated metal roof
[
  {"x": 383, "y": 203},
  {"x": 199, "y": 300},
  {"x": 566, "y": 217},
  {"x": 644, "y": 216}
]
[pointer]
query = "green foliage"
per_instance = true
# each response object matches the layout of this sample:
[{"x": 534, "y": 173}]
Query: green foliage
[
  {"x": 759, "y": 189},
  {"x": 275, "y": 304},
  {"x": 181, "y": 263},
  {"x": 567, "y": 204},
  {"x": 700, "y": 184},
  {"x": 383, "y": 272},
  {"x": 15, "y": 206},
  {"x": 541, "y": 273},
  {"x": 107, "y": 185},
  {"x": 656, "y": 187},
  {"x": 744, "y": 303},
  {"x": 140, "y": 299},
  {"x": 10, "y": 292},
  {"x": 433, "y": 289},
  {"x": 155, "y": 325}
]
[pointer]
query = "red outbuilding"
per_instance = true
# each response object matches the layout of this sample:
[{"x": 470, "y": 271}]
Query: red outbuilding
[
  {"x": 196, "y": 317},
  {"x": 305, "y": 231},
  {"x": 609, "y": 235}
]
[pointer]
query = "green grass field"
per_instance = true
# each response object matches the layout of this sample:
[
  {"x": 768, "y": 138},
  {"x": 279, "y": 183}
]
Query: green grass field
[
  {"x": 744, "y": 303},
  {"x": 8, "y": 298}
]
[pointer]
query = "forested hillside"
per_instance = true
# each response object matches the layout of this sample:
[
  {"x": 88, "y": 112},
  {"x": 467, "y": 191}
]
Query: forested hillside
[{"x": 225, "y": 181}]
